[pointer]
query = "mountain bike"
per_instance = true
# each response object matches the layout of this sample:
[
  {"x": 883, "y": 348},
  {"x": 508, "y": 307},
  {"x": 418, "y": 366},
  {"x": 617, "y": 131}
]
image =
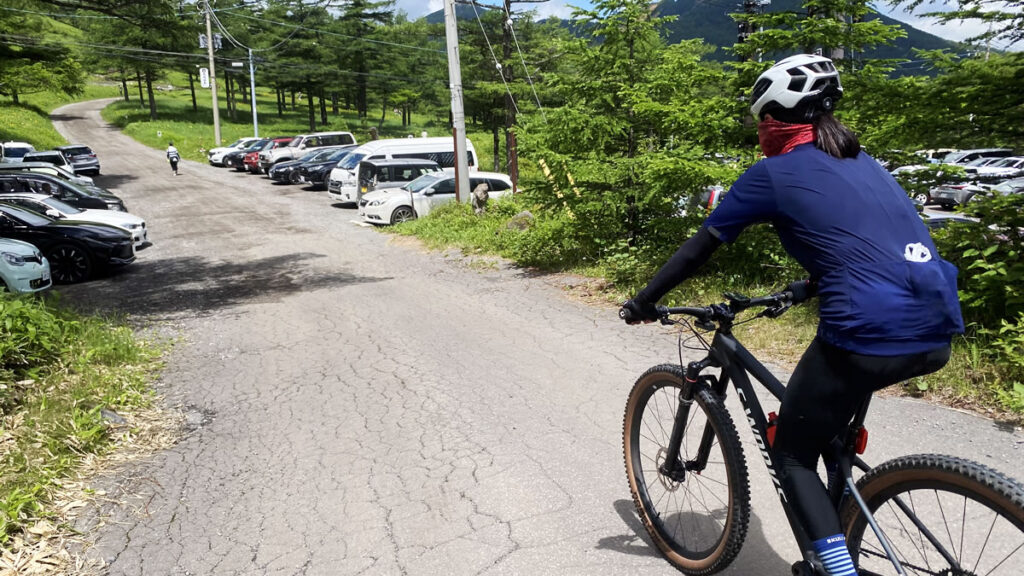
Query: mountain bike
[{"x": 921, "y": 514}]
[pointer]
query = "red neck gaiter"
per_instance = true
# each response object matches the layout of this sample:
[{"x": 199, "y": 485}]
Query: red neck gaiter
[{"x": 780, "y": 137}]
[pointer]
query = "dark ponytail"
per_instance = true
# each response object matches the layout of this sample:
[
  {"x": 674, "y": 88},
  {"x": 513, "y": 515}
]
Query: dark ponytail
[{"x": 834, "y": 139}]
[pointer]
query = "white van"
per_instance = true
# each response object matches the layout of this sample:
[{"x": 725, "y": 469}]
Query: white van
[{"x": 343, "y": 183}]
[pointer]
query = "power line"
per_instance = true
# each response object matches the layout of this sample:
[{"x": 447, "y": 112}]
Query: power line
[
  {"x": 523, "y": 60},
  {"x": 329, "y": 33},
  {"x": 495, "y": 58}
]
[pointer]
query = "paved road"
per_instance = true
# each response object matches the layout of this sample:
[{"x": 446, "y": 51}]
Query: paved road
[{"x": 359, "y": 406}]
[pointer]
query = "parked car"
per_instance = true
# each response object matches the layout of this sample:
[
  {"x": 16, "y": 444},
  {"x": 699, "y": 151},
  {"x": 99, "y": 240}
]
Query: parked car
[
  {"x": 23, "y": 268},
  {"x": 302, "y": 143},
  {"x": 965, "y": 156},
  {"x": 77, "y": 196},
  {"x": 14, "y": 151},
  {"x": 49, "y": 156},
  {"x": 236, "y": 159},
  {"x": 216, "y": 155},
  {"x": 950, "y": 195},
  {"x": 76, "y": 250},
  {"x": 424, "y": 194},
  {"x": 1002, "y": 168},
  {"x": 381, "y": 174},
  {"x": 83, "y": 159},
  {"x": 252, "y": 159},
  {"x": 343, "y": 185},
  {"x": 46, "y": 168},
  {"x": 287, "y": 171},
  {"x": 934, "y": 155},
  {"x": 1014, "y": 186},
  {"x": 58, "y": 210},
  {"x": 316, "y": 170}
]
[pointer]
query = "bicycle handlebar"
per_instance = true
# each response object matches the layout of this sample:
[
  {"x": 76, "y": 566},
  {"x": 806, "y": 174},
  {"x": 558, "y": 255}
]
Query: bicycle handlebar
[{"x": 795, "y": 293}]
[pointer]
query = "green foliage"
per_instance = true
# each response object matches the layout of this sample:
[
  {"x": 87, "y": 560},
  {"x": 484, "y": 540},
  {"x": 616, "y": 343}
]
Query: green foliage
[
  {"x": 918, "y": 182},
  {"x": 57, "y": 371},
  {"x": 991, "y": 261}
]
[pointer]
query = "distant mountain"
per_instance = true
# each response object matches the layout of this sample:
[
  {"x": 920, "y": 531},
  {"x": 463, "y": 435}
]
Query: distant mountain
[{"x": 709, "y": 19}]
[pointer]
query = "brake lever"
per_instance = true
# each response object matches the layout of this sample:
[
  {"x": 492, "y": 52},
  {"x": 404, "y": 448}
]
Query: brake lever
[{"x": 775, "y": 311}]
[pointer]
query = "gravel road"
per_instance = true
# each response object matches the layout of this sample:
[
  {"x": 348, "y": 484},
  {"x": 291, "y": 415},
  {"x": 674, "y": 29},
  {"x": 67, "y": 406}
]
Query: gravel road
[{"x": 357, "y": 405}]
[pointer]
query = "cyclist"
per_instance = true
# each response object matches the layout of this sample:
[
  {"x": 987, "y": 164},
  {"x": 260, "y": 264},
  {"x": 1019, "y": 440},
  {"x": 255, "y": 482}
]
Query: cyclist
[{"x": 888, "y": 302}]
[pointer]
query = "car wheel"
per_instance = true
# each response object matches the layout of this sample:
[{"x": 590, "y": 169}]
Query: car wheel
[
  {"x": 3, "y": 285},
  {"x": 922, "y": 197},
  {"x": 69, "y": 263},
  {"x": 293, "y": 178},
  {"x": 402, "y": 214}
]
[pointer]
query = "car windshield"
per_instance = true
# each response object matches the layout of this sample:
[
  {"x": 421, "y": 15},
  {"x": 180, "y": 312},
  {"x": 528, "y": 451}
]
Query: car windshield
[
  {"x": 351, "y": 161},
  {"x": 309, "y": 156},
  {"x": 77, "y": 150},
  {"x": 322, "y": 155},
  {"x": 337, "y": 154},
  {"x": 425, "y": 181},
  {"x": 27, "y": 216},
  {"x": 61, "y": 207},
  {"x": 1005, "y": 162},
  {"x": 235, "y": 143},
  {"x": 295, "y": 141},
  {"x": 257, "y": 145},
  {"x": 15, "y": 151}
]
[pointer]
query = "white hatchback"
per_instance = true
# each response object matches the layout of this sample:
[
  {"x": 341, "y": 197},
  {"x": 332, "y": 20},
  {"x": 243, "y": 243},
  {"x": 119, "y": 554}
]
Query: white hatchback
[
  {"x": 58, "y": 210},
  {"x": 23, "y": 268},
  {"x": 419, "y": 197}
]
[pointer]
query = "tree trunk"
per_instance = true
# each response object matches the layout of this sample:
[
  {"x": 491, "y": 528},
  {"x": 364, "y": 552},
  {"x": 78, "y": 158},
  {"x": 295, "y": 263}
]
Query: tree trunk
[
  {"x": 245, "y": 92},
  {"x": 149, "y": 93},
  {"x": 229, "y": 96},
  {"x": 334, "y": 103},
  {"x": 383, "y": 113},
  {"x": 497, "y": 149},
  {"x": 14, "y": 97},
  {"x": 124, "y": 86},
  {"x": 279, "y": 93},
  {"x": 293, "y": 99},
  {"x": 192, "y": 89},
  {"x": 309, "y": 103},
  {"x": 323, "y": 108},
  {"x": 138, "y": 80}
]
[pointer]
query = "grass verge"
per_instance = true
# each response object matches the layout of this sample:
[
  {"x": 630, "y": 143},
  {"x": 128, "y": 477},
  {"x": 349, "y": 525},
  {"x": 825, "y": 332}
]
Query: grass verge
[
  {"x": 29, "y": 121},
  {"x": 71, "y": 387},
  {"x": 973, "y": 380}
]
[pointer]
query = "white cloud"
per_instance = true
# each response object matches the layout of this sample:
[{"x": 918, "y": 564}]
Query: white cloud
[
  {"x": 956, "y": 31},
  {"x": 418, "y": 8}
]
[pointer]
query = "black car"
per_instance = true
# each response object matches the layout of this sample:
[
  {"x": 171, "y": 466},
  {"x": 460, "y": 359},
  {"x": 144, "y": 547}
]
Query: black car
[
  {"x": 77, "y": 196},
  {"x": 83, "y": 159},
  {"x": 75, "y": 249},
  {"x": 287, "y": 171},
  {"x": 234, "y": 159},
  {"x": 316, "y": 170}
]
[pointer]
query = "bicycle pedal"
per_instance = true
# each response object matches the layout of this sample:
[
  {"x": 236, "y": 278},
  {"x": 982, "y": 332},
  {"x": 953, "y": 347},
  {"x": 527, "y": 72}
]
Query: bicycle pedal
[{"x": 804, "y": 568}]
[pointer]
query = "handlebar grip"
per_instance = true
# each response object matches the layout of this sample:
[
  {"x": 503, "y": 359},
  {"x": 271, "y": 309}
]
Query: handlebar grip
[{"x": 626, "y": 314}]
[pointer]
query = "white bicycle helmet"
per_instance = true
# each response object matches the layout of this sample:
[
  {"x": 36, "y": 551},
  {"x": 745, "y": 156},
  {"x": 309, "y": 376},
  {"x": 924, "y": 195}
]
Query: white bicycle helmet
[{"x": 797, "y": 89}]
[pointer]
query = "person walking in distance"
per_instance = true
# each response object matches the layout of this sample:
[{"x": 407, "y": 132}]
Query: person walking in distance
[{"x": 173, "y": 157}]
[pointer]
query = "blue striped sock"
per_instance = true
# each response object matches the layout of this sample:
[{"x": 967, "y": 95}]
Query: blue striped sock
[{"x": 834, "y": 556}]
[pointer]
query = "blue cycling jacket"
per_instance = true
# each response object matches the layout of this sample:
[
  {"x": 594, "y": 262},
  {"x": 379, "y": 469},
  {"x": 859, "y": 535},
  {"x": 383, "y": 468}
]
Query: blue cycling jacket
[{"x": 883, "y": 288}]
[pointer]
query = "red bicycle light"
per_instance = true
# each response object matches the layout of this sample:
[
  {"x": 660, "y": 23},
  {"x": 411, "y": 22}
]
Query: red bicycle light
[{"x": 860, "y": 443}]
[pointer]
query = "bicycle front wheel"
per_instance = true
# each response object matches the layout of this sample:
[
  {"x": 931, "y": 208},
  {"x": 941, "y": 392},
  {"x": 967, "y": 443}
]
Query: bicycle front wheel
[
  {"x": 698, "y": 519},
  {"x": 943, "y": 516}
]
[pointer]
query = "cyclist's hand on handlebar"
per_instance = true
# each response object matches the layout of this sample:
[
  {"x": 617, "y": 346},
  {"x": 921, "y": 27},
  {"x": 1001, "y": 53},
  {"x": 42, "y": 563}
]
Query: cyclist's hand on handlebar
[
  {"x": 637, "y": 311},
  {"x": 802, "y": 290}
]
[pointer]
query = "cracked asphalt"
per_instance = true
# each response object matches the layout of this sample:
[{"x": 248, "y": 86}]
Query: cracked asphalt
[{"x": 356, "y": 405}]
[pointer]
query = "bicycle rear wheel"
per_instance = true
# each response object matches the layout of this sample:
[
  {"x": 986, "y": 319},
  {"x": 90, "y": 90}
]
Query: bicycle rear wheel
[
  {"x": 698, "y": 522},
  {"x": 944, "y": 516}
]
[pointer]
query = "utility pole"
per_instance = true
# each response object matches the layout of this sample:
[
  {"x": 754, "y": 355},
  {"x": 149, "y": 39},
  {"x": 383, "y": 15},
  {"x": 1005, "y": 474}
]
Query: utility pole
[
  {"x": 252, "y": 97},
  {"x": 213, "y": 74},
  {"x": 745, "y": 27},
  {"x": 462, "y": 191}
]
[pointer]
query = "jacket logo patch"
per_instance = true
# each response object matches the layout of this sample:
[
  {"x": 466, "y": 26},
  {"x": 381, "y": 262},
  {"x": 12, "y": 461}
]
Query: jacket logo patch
[{"x": 917, "y": 252}]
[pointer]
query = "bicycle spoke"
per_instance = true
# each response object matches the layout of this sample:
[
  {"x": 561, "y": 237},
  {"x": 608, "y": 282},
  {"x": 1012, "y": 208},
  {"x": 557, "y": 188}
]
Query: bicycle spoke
[
  {"x": 963, "y": 530},
  {"x": 910, "y": 496},
  {"x": 909, "y": 536},
  {"x": 987, "y": 536},
  {"x": 1001, "y": 562},
  {"x": 944, "y": 521}
]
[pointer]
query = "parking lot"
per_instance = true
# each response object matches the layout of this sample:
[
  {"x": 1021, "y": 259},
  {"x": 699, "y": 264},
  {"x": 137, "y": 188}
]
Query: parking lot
[{"x": 358, "y": 405}]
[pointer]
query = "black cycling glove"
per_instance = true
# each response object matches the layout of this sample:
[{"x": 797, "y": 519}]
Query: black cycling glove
[{"x": 636, "y": 311}]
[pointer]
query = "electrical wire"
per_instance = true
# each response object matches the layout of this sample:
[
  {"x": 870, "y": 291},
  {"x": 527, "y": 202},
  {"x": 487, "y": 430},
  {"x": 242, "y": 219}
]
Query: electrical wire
[
  {"x": 329, "y": 33},
  {"x": 523, "y": 60},
  {"x": 495, "y": 58}
]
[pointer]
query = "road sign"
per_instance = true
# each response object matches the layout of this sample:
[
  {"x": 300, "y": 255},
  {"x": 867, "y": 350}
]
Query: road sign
[{"x": 204, "y": 77}]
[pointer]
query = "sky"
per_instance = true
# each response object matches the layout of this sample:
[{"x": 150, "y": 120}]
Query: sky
[{"x": 563, "y": 8}]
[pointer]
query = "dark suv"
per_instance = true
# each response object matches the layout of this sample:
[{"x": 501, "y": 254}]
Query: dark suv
[{"x": 77, "y": 196}]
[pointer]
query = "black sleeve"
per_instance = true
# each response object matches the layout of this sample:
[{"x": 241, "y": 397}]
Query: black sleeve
[{"x": 690, "y": 256}]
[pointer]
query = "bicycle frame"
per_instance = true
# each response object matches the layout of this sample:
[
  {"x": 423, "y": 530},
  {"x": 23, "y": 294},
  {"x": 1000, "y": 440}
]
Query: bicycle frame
[{"x": 728, "y": 353}]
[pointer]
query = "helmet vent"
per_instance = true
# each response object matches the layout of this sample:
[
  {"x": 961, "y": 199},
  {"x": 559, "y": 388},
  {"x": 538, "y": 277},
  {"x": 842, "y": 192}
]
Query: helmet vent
[{"x": 797, "y": 83}]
